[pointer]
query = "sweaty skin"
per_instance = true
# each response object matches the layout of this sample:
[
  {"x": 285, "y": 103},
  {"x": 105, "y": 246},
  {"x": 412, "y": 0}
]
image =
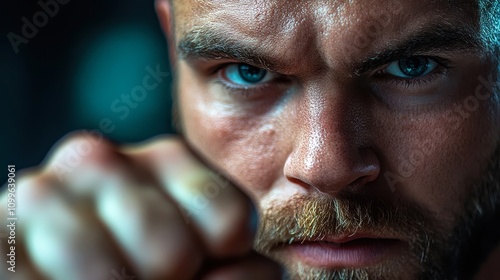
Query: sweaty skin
[
  {"x": 301, "y": 113},
  {"x": 321, "y": 126}
]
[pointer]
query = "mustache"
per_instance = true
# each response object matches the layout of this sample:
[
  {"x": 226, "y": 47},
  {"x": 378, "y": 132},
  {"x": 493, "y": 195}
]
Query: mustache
[{"x": 316, "y": 216}]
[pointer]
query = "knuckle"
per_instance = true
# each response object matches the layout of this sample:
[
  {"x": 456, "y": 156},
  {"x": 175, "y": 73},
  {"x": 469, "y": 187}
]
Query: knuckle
[
  {"x": 164, "y": 147},
  {"x": 81, "y": 149},
  {"x": 33, "y": 183},
  {"x": 33, "y": 187}
]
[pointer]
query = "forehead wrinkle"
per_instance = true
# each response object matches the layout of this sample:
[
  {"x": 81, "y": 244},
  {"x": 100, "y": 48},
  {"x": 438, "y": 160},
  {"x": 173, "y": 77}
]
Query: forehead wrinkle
[
  {"x": 215, "y": 43},
  {"x": 257, "y": 12},
  {"x": 284, "y": 36},
  {"x": 318, "y": 34}
]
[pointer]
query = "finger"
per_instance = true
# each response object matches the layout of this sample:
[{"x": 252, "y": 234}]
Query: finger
[
  {"x": 66, "y": 244},
  {"x": 15, "y": 263},
  {"x": 63, "y": 240},
  {"x": 151, "y": 231},
  {"x": 251, "y": 267},
  {"x": 220, "y": 212},
  {"x": 145, "y": 224},
  {"x": 22, "y": 270}
]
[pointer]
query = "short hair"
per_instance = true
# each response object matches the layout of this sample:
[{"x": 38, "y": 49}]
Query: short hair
[{"x": 489, "y": 11}]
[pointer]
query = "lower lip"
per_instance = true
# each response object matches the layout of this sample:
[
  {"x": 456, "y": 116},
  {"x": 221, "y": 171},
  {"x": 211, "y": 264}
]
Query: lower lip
[{"x": 354, "y": 254}]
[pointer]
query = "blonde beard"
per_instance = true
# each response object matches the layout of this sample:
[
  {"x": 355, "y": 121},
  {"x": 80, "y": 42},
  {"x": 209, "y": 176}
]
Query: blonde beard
[{"x": 433, "y": 253}]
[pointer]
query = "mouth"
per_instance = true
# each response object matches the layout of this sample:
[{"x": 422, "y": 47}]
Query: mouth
[{"x": 354, "y": 251}]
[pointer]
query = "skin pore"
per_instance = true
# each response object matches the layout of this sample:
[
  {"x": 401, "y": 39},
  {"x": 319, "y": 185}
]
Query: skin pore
[{"x": 333, "y": 140}]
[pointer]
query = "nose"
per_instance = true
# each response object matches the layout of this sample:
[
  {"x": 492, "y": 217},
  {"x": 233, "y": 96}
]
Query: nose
[{"x": 331, "y": 147}]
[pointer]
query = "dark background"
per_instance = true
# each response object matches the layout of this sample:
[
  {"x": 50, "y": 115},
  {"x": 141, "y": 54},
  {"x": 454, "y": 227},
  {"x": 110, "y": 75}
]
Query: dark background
[{"x": 87, "y": 55}]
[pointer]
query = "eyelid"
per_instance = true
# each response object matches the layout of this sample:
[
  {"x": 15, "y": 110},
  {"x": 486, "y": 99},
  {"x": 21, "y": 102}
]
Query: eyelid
[
  {"x": 416, "y": 83},
  {"x": 221, "y": 67},
  {"x": 232, "y": 71},
  {"x": 213, "y": 66},
  {"x": 395, "y": 66},
  {"x": 246, "y": 92},
  {"x": 442, "y": 63},
  {"x": 274, "y": 87}
]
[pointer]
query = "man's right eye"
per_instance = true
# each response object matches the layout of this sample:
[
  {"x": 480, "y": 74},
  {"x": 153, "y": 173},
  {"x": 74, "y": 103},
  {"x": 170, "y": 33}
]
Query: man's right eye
[{"x": 244, "y": 75}]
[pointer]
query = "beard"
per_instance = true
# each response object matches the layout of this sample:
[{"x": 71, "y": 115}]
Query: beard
[{"x": 432, "y": 251}]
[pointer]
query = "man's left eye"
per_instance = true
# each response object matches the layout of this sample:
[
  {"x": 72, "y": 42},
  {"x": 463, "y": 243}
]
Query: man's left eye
[
  {"x": 246, "y": 75},
  {"x": 411, "y": 67}
]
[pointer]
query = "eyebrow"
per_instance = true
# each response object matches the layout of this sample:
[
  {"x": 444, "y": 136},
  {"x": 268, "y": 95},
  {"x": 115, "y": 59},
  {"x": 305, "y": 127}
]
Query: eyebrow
[
  {"x": 433, "y": 39},
  {"x": 211, "y": 44},
  {"x": 208, "y": 43}
]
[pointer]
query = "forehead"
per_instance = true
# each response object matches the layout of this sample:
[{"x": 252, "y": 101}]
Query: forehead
[
  {"x": 318, "y": 29},
  {"x": 269, "y": 16}
]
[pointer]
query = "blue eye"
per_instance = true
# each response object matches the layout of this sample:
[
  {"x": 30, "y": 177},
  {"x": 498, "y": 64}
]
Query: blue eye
[
  {"x": 247, "y": 75},
  {"x": 411, "y": 67}
]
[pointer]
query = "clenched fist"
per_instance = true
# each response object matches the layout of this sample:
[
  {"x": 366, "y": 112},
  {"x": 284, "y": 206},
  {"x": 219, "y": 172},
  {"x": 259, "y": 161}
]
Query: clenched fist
[{"x": 94, "y": 210}]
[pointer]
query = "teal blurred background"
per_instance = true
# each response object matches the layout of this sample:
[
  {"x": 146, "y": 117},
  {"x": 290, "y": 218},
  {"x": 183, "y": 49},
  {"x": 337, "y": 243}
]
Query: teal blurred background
[{"x": 83, "y": 68}]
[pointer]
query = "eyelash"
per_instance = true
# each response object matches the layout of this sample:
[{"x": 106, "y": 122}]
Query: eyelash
[
  {"x": 242, "y": 91},
  {"x": 238, "y": 90},
  {"x": 443, "y": 68},
  {"x": 417, "y": 82}
]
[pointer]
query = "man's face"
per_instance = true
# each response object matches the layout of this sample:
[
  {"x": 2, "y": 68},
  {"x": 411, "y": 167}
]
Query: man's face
[{"x": 360, "y": 128}]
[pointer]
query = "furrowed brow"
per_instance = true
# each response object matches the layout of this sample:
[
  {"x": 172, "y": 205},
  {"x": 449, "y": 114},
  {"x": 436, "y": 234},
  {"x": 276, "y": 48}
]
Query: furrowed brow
[
  {"x": 211, "y": 44},
  {"x": 435, "y": 39},
  {"x": 206, "y": 43}
]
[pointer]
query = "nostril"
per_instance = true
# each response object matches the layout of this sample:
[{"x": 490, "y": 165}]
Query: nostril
[
  {"x": 303, "y": 184},
  {"x": 335, "y": 173}
]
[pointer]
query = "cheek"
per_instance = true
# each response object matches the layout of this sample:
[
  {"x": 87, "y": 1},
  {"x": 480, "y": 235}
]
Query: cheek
[
  {"x": 249, "y": 158},
  {"x": 247, "y": 148},
  {"x": 434, "y": 158}
]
